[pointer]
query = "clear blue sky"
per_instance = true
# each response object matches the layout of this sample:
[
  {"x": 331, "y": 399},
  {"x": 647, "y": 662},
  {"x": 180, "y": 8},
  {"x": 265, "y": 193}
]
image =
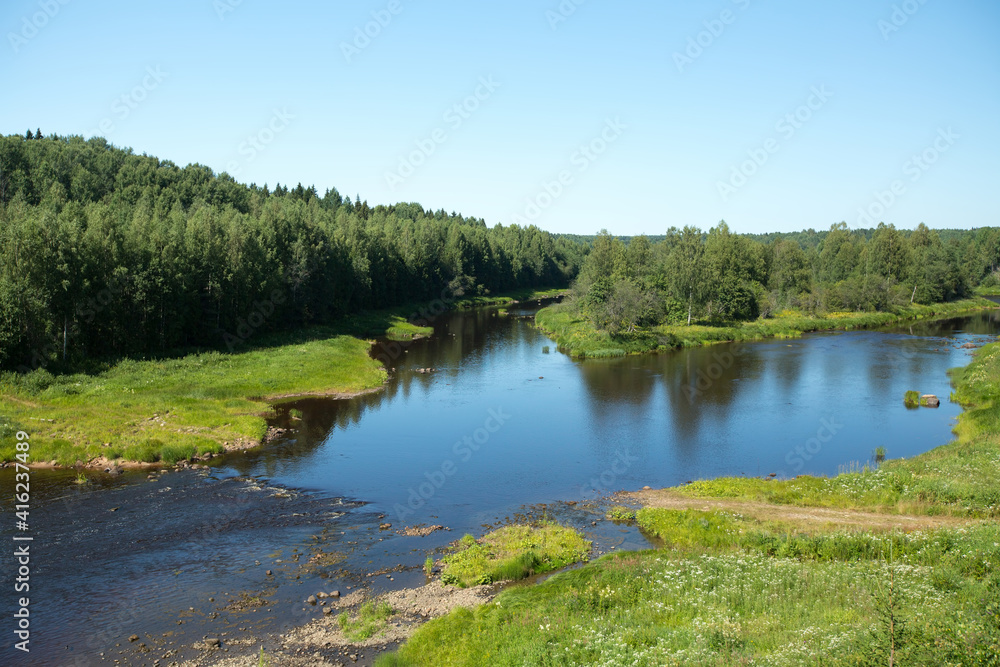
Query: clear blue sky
[{"x": 674, "y": 129}]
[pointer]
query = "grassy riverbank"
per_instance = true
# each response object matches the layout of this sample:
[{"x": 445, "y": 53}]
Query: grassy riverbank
[
  {"x": 901, "y": 560},
  {"x": 578, "y": 337},
  {"x": 509, "y": 298},
  {"x": 172, "y": 409}
]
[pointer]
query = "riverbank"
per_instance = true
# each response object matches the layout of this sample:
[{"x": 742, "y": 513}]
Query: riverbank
[
  {"x": 139, "y": 413},
  {"x": 510, "y": 298},
  {"x": 575, "y": 335},
  {"x": 164, "y": 411},
  {"x": 898, "y": 560}
]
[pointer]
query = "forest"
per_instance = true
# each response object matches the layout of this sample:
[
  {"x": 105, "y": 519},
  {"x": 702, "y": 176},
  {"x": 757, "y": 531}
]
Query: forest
[
  {"x": 105, "y": 253},
  {"x": 720, "y": 276}
]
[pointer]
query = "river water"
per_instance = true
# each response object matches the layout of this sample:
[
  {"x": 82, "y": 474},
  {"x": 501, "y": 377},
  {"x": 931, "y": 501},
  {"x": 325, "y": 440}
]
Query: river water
[{"x": 504, "y": 427}]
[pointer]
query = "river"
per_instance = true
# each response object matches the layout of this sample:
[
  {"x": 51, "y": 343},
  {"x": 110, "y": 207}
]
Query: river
[{"x": 505, "y": 426}]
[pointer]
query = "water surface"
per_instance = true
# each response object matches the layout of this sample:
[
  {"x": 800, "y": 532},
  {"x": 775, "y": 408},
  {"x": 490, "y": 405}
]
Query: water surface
[{"x": 505, "y": 424}]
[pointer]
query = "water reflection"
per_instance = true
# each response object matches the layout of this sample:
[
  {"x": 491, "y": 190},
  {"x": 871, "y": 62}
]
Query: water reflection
[{"x": 724, "y": 409}]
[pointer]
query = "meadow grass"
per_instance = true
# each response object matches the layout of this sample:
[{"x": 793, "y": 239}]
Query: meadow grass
[
  {"x": 401, "y": 329},
  {"x": 172, "y": 409},
  {"x": 728, "y": 589},
  {"x": 509, "y": 298},
  {"x": 578, "y": 337},
  {"x": 679, "y": 608},
  {"x": 512, "y": 553}
]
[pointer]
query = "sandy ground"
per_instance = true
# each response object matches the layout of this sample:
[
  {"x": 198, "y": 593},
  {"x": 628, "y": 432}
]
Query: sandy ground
[
  {"x": 321, "y": 643},
  {"x": 806, "y": 517}
]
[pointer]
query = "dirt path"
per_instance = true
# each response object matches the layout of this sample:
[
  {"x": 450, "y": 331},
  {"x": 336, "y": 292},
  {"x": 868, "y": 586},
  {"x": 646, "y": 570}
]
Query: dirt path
[{"x": 815, "y": 518}]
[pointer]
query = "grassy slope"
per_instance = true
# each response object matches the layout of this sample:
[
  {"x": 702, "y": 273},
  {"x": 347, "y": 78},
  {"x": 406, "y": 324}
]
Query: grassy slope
[
  {"x": 732, "y": 589},
  {"x": 578, "y": 337}
]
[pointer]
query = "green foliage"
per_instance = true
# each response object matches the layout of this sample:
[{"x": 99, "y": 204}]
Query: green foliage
[
  {"x": 722, "y": 278},
  {"x": 120, "y": 254},
  {"x": 624, "y": 514},
  {"x": 512, "y": 553},
  {"x": 912, "y": 399}
]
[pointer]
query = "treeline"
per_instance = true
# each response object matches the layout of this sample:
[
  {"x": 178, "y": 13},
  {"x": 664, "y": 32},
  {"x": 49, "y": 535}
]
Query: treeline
[
  {"x": 724, "y": 276},
  {"x": 107, "y": 253}
]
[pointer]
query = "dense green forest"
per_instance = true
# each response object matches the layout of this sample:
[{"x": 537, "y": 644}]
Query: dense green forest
[
  {"x": 721, "y": 276},
  {"x": 110, "y": 253}
]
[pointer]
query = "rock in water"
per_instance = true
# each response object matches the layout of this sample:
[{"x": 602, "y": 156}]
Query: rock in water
[{"x": 930, "y": 401}]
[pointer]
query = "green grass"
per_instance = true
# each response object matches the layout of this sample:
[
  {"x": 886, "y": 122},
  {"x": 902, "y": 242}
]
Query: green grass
[
  {"x": 729, "y": 608},
  {"x": 173, "y": 409},
  {"x": 619, "y": 513},
  {"x": 369, "y": 621},
  {"x": 401, "y": 329},
  {"x": 512, "y": 553},
  {"x": 578, "y": 337},
  {"x": 508, "y": 298},
  {"x": 970, "y": 551},
  {"x": 912, "y": 399}
]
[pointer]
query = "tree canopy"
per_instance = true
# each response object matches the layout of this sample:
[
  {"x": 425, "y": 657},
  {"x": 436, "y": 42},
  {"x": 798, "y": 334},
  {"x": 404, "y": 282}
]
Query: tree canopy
[
  {"x": 720, "y": 275},
  {"x": 114, "y": 253}
]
